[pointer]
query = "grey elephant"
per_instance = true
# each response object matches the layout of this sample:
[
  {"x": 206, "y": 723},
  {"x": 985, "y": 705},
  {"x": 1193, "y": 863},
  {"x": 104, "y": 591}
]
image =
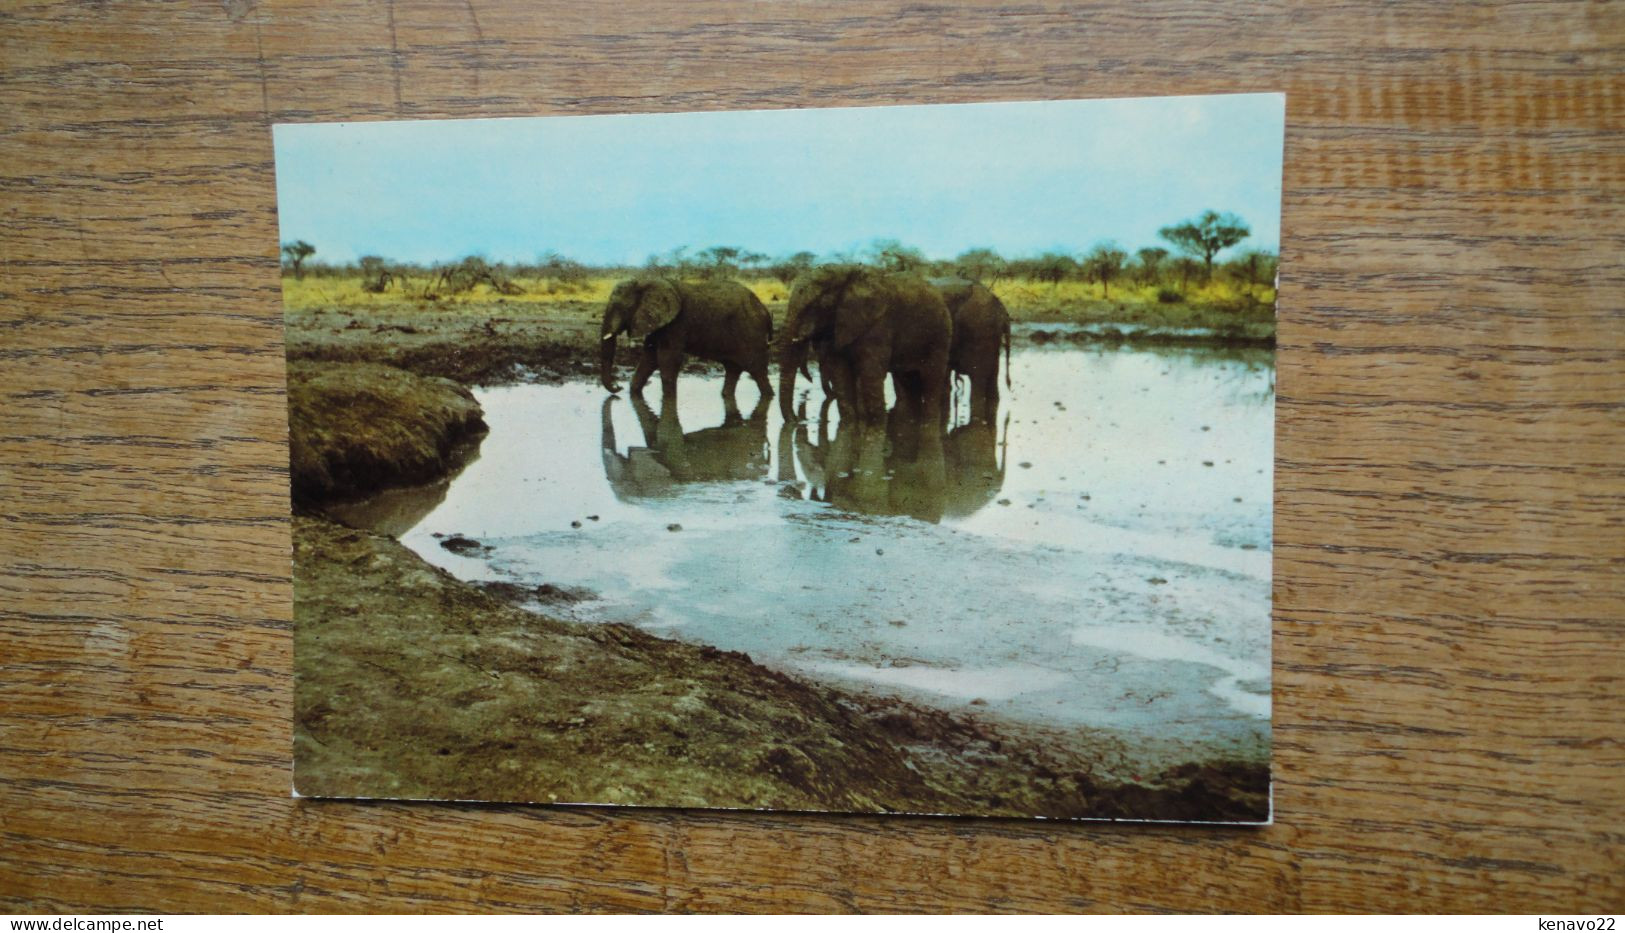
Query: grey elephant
[
  {"x": 976, "y": 459},
  {"x": 981, "y": 330},
  {"x": 735, "y": 450},
  {"x": 715, "y": 320},
  {"x": 864, "y": 325},
  {"x": 844, "y": 472}
]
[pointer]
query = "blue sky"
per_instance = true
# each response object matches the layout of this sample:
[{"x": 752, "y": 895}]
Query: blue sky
[{"x": 1020, "y": 178}]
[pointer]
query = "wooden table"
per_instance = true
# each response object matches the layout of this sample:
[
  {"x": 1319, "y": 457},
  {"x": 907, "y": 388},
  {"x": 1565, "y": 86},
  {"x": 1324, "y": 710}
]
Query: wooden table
[{"x": 1450, "y": 553}]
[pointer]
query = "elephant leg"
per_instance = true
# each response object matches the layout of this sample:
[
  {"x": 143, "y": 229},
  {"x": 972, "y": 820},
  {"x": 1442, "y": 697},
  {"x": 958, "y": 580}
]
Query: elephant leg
[
  {"x": 670, "y": 360},
  {"x": 871, "y": 373},
  {"x": 758, "y": 375},
  {"x": 984, "y": 397},
  {"x": 934, "y": 386},
  {"x": 843, "y": 381},
  {"x": 730, "y": 380},
  {"x": 904, "y": 425},
  {"x": 646, "y": 368}
]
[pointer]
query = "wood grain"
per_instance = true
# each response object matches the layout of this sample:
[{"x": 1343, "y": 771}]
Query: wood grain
[{"x": 1450, "y": 603}]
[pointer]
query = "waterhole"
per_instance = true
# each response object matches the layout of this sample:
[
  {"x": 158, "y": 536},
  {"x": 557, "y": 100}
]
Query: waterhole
[{"x": 1098, "y": 556}]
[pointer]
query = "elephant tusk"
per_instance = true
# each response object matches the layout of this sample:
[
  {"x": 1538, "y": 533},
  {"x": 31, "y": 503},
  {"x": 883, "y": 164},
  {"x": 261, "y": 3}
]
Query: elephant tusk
[{"x": 608, "y": 337}]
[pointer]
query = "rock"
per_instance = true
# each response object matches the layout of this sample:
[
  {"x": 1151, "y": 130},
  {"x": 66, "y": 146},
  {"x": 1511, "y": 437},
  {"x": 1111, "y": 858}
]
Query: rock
[{"x": 462, "y": 544}]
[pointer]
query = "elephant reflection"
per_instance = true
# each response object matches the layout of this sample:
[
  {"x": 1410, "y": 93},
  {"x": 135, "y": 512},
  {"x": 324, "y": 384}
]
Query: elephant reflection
[
  {"x": 732, "y": 451},
  {"x": 891, "y": 475}
]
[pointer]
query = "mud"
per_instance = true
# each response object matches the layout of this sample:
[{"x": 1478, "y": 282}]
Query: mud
[
  {"x": 358, "y": 428},
  {"x": 412, "y": 684}
]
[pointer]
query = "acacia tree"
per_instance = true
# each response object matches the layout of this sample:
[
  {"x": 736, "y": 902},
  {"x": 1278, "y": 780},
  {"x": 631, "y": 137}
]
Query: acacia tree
[
  {"x": 1151, "y": 258},
  {"x": 981, "y": 265},
  {"x": 375, "y": 274},
  {"x": 893, "y": 256},
  {"x": 1253, "y": 268},
  {"x": 566, "y": 273},
  {"x": 1104, "y": 263},
  {"x": 297, "y": 252},
  {"x": 1185, "y": 267},
  {"x": 722, "y": 261},
  {"x": 1206, "y": 235},
  {"x": 787, "y": 269},
  {"x": 1053, "y": 267}
]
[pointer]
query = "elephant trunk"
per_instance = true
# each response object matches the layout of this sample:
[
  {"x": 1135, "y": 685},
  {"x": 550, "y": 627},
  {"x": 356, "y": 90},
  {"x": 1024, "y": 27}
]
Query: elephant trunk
[
  {"x": 792, "y": 359},
  {"x": 606, "y": 355}
]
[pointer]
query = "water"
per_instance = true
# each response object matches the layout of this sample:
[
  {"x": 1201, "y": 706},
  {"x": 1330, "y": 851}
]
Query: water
[{"x": 1100, "y": 557}]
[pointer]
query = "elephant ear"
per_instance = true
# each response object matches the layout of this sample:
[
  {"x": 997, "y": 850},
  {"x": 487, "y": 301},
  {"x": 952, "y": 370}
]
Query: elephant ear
[
  {"x": 657, "y": 307},
  {"x": 862, "y": 305}
]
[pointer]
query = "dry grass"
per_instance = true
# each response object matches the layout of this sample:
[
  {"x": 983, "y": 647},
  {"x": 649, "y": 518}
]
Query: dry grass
[{"x": 1218, "y": 305}]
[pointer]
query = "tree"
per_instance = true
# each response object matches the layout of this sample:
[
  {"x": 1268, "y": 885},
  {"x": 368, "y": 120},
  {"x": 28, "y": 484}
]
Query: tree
[
  {"x": 1206, "y": 235},
  {"x": 981, "y": 265},
  {"x": 1151, "y": 258},
  {"x": 297, "y": 252},
  {"x": 676, "y": 262},
  {"x": 722, "y": 261},
  {"x": 1104, "y": 263},
  {"x": 470, "y": 271},
  {"x": 1185, "y": 267},
  {"x": 375, "y": 274},
  {"x": 1253, "y": 268},
  {"x": 752, "y": 262},
  {"x": 789, "y": 268},
  {"x": 566, "y": 273},
  {"x": 893, "y": 256},
  {"x": 1052, "y": 267}
]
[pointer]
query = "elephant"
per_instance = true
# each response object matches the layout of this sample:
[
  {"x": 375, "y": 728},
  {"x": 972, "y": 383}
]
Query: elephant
[
  {"x": 734, "y": 450},
  {"x": 854, "y": 471},
  {"x": 716, "y": 320},
  {"x": 863, "y": 325},
  {"x": 981, "y": 328},
  {"x": 976, "y": 459}
]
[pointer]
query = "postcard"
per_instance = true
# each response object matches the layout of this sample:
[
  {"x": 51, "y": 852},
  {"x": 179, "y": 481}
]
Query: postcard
[{"x": 906, "y": 459}]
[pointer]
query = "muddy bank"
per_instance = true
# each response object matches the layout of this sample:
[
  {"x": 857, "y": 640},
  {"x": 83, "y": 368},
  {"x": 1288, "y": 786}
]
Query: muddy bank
[
  {"x": 410, "y": 683},
  {"x": 495, "y": 345},
  {"x": 356, "y": 428},
  {"x": 1237, "y": 336},
  {"x": 501, "y": 345},
  {"x": 486, "y": 348}
]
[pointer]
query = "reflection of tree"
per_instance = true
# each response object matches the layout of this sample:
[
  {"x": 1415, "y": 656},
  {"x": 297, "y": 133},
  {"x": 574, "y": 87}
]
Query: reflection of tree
[
  {"x": 891, "y": 473},
  {"x": 1238, "y": 368},
  {"x": 734, "y": 450}
]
